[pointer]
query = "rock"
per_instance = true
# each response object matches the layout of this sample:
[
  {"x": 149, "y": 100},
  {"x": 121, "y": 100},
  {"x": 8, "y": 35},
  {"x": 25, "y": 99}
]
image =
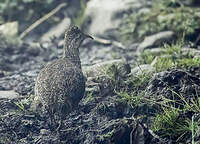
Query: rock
[
  {"x": 107, "y": 14},
  {"x": 144, "y": 11},
  {"x": 133, "y": 47},
  {"x": 142, "y": 68},
  {"x": 92, "y": 53},
  {"x": 157, "y": 51},
  {"x": 101, "y": 68},
  {"x": 44, "y": 132},
  {"x": 192, "y": 51},
  {"x": 155, "y": 40},
  {"x": 9, "y": 29},
  {"x": 8, "y": 94},
  {"x": 164, "y": 18},
  {"x": 9, "y": 44}
]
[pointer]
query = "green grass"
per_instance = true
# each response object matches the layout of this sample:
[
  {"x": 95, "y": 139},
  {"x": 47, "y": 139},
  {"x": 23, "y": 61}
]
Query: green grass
[
  {"x": 88, "y": 98},
  {"x": 20, "y": 105},
  {"x": 146, "y": 57},
  {"x": 170, "y": 114},
  {"x": 129, "y": 88},
  {"x": 169, "y": 123},
  {"x": 164, "y": 63},
  {"x": 133, "y": 99},
  {"x": 172, "y": 56},
  {"x": 189, "y": 62},
  {"x": 133, "y": 90},
  {"x": 173, "y": 121}
]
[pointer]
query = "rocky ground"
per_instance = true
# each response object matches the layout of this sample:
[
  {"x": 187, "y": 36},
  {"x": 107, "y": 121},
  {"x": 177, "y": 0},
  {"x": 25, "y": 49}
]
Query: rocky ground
[{"x": 138, "y": 91}]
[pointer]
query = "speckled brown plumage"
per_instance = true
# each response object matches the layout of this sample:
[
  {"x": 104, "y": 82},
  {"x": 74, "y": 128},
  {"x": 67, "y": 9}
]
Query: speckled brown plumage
[{"x": 61, "y": 84}]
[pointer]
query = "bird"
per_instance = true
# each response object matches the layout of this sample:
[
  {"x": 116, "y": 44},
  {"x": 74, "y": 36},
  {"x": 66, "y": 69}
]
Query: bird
[{"x": 60, "y": 85}]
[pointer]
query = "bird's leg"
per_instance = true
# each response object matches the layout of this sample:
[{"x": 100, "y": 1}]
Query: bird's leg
[
  {"x": 59, "y": 125},
  {"x": 52, "y": 119}
]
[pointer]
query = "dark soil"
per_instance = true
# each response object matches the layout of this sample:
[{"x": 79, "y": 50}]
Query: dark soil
[{"x": 102, "y": 119}]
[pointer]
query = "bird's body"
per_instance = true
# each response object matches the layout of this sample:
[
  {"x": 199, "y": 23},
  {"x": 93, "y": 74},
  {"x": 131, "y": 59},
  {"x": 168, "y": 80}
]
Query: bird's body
[{"x": 61, "y": 84}]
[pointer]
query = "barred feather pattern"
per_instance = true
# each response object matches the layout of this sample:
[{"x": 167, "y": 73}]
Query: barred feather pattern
[{"x": 61, "y": 84}]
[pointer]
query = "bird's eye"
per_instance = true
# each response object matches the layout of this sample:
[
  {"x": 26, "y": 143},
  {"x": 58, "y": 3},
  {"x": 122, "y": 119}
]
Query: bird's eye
[{"x": 75, "y": 28}]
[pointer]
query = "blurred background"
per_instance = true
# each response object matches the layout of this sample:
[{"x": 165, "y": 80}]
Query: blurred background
[
  {"x": 119, "y": 26},
  {"x": 142, "y": 67}
]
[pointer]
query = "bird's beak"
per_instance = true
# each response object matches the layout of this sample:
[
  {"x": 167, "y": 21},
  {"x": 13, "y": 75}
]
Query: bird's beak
[{"x": 88, "y": 36}]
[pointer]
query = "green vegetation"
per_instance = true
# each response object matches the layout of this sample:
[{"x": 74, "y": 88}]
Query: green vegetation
[
  {"x": 89, "y": 97},
  {"x": 171, "y": 56},
  {"x": 23, "y": 104},
  {"x": 174, "y": 123},
  {"x": 171, "y": 124},
  {"x": 129, "y": 87},
  {"x": 79, "y": 19},
  {"x": 20, "y": 105},
  {"x": 169, "y": 114},
  {"x": 189, "y": 62},
  {"x": 131, "y": 99},
  {"x": 5, "y": 140},
  {"x": 26, "y": 11},
  {"x": 108, "y": 135},
  {"x": 165, "y": 15}
]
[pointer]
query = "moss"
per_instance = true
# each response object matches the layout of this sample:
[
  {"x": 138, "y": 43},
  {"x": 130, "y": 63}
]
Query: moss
[{"x": 164, "y": 15}]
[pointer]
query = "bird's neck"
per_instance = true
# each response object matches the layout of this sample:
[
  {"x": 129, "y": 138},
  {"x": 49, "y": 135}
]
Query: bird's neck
[{"x": 71, "y": 52}]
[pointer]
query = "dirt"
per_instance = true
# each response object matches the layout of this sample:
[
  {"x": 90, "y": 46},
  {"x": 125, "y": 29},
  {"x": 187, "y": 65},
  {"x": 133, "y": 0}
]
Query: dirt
[{"x": 99, "y": 119}]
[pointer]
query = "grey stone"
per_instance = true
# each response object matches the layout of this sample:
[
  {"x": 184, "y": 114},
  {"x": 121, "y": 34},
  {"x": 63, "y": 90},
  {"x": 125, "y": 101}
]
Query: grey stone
[
  {"x": 141, "y": 68},
  {"x": 157, "y": 51},
  {"x": 191, "y": 51},
  {"x": 103, "y": 14},
  {"x": 155, "y": 40},
  {"x": 100, "y": 68},
  {"x": 9, "y": 94},
  {"x": 10, "y": 28},
  {"x": 44, "y": 132},
  {"x": 144, "y": 11}
]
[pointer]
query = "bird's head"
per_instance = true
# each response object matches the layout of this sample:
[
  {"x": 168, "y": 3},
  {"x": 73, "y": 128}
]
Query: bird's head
[{"x": 74, "y": 34}]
